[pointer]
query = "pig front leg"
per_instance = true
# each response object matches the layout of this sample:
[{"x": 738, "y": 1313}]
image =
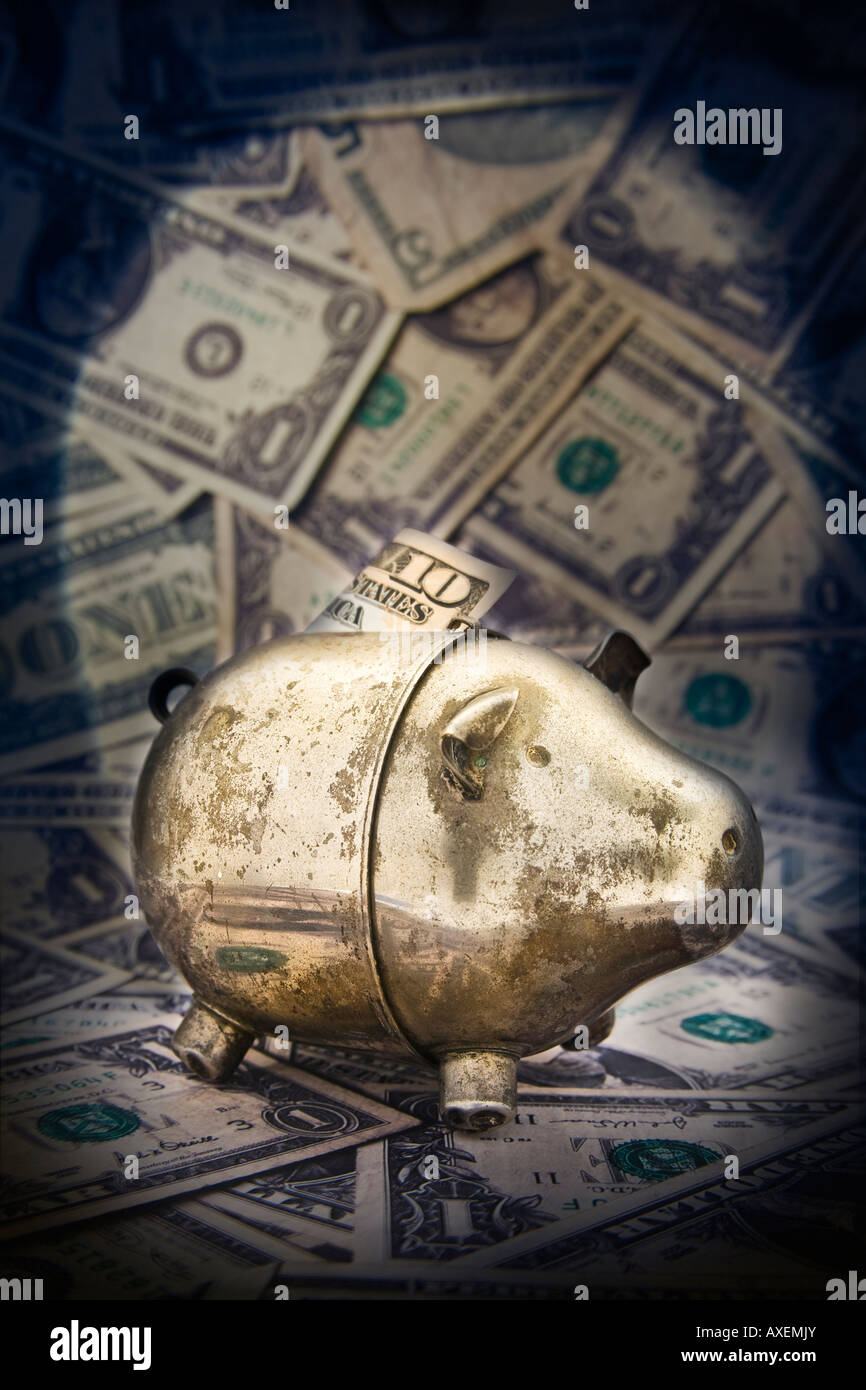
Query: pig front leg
[
  {"x": 477, "y": 1090},
  {"x": 208, "y": 1044}
]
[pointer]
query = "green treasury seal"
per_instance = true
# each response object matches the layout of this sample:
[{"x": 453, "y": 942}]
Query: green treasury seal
[
  {"x": 729, "y": 1028},
  {"x": 657, "y": 1159},
  {"x": 384, "y": 402},
  {"x": 587, "y": 465},
  {"x": 88, "y": 1122},
  {"x": 718, "y": 700}
]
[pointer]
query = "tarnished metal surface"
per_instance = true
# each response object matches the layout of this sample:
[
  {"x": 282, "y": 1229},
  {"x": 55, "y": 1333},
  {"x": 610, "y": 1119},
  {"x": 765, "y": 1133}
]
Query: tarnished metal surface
[
  {"x": 251, "y": 833},
  {"x": 467, "y": 859}
]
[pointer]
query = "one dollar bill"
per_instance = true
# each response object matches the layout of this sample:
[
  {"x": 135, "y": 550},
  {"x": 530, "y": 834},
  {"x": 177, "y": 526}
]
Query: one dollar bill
[
  {"x": 118, "y": 1122},
  {"x": 89, "y": 622},
  {"x": 430, "y": 218},
  {"x": 212, "y": 352},
  {"x": 434, "y": 433},
  {"x": 640, "y": 492}
]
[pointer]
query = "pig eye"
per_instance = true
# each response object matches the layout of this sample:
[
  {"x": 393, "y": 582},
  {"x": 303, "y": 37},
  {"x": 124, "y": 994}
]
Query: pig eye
[
  {"x": 730, "y": 842},
  {"x": 537, "y": 755}
]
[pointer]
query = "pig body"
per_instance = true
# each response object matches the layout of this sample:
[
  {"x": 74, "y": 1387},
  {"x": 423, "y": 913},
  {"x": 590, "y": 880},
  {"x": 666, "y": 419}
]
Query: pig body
[{"x": 465, "y": 858}]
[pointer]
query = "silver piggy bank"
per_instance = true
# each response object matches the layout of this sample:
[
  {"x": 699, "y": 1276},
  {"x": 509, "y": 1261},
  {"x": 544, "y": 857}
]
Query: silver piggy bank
[{"x": 463, "y": 853}]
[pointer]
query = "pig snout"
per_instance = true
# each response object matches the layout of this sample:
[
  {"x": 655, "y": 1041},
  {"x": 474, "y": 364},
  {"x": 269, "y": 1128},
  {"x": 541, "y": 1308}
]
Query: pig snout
[{"x": 726, "y": 893}]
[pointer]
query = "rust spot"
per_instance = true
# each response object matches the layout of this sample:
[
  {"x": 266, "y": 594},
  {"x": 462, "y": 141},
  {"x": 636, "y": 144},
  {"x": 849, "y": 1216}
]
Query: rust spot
[
  {"x": 716, "y": 872},
  {"x": 661, "y": 812},
  {"x": 537, "y": 755},
  {"x": 344, "y": 790}
]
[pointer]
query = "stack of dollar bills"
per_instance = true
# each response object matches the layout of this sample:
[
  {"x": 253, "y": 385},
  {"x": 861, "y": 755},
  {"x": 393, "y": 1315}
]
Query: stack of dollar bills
[{"x": 266, "y": 306}]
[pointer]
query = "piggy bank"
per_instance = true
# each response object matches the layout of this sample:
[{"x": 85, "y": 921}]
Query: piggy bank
[{"x": 460, "y": 851}]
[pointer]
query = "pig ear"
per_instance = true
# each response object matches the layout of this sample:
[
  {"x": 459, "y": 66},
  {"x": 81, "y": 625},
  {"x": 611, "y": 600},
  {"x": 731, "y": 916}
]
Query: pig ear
[
  {"x": 617, "y": 662},
  {"x": 473, "y": 728}
]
